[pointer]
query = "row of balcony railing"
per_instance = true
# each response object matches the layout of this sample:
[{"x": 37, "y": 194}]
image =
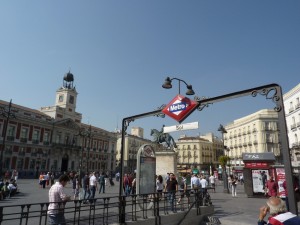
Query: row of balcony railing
[
  {"x": 243, "y": 144},
  {"x": 297, "y": 106},
  {"x": 37, "y": 142},
  {"x": 295, "y": 125}
]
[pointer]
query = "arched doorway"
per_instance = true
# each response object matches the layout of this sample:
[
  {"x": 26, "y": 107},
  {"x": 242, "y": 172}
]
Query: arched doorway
[{"x": 64, "y": 163}]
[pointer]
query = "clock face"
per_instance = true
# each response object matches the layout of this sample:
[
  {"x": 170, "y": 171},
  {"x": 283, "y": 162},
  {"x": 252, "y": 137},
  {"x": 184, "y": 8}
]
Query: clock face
[{"x": 60, "y": 98}]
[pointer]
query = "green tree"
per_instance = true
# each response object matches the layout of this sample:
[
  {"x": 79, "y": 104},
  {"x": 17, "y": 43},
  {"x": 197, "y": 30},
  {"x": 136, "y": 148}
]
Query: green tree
[{"x": 223, "y": 159}]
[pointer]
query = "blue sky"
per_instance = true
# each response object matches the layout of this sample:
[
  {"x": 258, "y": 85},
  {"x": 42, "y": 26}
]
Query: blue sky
[{"x": 120, "y": 52}]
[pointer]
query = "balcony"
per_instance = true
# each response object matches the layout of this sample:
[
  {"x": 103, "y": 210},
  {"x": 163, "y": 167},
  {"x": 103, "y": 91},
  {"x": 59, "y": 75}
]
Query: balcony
[
  {"x": 255, "y": 142},
  {"x": 35, "y": 141},
  {"x": 293, "y": 126},
  {"x": 8, "y": 152},
  {"x": 10, "y": 138},
  {"x": 296, "y": 145},
  {"x": 23, "y": 140},
  {"x": 22, "y": 153},
  {"x": 297, "y": 106},
  {"x": 298, "y": 124},
  {"x": 249, "y": 143},
  {"x": 291, "y": 109}
]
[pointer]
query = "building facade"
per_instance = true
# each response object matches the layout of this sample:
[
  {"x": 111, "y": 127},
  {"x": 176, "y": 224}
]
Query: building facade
[
  {"x": 132, "y": 144},
  {"x": 199, "y": 152},
  {"x": 255, "y": 133},
  {"x": 292, "y": 114},
  {"x": 54, "y": 138}
]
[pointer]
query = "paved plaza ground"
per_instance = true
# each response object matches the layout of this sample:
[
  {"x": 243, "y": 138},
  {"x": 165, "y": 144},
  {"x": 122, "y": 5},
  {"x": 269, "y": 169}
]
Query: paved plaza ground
[{"x": 230, "y": 210}]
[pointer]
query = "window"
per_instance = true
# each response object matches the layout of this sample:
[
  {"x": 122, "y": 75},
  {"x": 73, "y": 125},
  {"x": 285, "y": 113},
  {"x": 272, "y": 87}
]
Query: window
[
  {"x": 46, "y": 136},
  {"x": 24, "y": 132},
  {"x": 35, "y": 135},
  {"x": 71, "y": 101},
  {"x": 11, "y": 131},
  {"x": 58, "y": 137},
  {"x": 61, "y": 98}
]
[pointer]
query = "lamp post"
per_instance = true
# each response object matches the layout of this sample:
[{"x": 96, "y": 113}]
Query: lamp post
[
  {"x": 89, "y": 136},
  {"x": 168, "y": 85},
  {"x": 84, "y": 134},
  {"x": 223, "y": 131},
  {"x": 7, "y": 114}
]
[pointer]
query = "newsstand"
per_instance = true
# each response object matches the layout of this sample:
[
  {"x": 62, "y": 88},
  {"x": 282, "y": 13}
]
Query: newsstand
[{"x": 255, "y": 166}]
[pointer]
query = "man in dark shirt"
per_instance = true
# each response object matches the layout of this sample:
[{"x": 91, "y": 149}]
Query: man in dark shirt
[
  {"x": 172, "y": 188},
  {"x": 86, "y": 187}
]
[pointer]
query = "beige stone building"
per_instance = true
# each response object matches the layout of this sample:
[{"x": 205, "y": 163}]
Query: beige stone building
[
  {"x": 54, "y": 138},
  {"x": 199, "y": 152},
  {"x": 255, "y": 133},
  {"x": 132, "y": 144},
  {"x": 292, "y": 114}
]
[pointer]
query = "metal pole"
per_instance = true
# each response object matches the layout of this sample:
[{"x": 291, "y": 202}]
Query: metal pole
[
  {"x": 293, "y": 207},
  {"x": 226, "y": 189},
  {"x": 4, "y": 136}
]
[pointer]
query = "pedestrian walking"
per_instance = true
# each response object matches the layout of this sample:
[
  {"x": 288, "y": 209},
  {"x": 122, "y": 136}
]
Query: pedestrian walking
[
  {"x": 86, "y": 188},
  {"x": 171, "y": 189},
  {"x": 272, "y": 187},
  {"x": 76, "y": 187},
  {"x": 234, "y": 182},
  {"x": 102, "y": 183},
  {"x": 93, "y": 185}
]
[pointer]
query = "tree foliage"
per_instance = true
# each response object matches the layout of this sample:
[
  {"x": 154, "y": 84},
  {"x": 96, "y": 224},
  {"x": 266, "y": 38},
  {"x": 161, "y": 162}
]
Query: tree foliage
[{"x": 223, "y": 159}]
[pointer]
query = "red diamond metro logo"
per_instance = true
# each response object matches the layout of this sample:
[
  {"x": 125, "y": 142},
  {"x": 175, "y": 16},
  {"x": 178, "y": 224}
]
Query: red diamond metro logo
[{"x": 180, "y": 107}]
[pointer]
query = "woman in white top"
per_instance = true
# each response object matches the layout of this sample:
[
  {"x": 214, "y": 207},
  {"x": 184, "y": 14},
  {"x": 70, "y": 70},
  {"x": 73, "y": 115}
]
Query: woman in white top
[{"x": 159, "y": 185}]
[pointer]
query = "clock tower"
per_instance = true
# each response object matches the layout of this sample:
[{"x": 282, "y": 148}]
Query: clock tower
[{"x": 65, "y": 101}]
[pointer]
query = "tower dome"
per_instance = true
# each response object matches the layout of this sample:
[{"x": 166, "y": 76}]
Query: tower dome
[{"x": 68, "y": 80}]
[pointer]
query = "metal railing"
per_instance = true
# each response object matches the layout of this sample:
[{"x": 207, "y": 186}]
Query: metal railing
[{"x": 108, "y": 210}]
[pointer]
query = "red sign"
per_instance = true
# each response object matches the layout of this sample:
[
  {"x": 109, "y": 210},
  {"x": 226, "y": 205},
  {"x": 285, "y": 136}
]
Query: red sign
[
  {"x": 179, "y": 108},
  {"x": 257, "y": 165}
]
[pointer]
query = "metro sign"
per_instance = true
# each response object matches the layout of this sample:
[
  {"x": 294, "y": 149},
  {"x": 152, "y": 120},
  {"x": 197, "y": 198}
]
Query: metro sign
[{"x": 180, "y": 107}]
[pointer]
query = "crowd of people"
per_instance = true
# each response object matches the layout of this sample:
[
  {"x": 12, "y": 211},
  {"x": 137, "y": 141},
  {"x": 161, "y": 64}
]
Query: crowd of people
[{"x": 8, "y": 185}]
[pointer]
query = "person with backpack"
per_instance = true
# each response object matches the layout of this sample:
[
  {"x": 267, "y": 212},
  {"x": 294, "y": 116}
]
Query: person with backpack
[{"x": 102, "y": 183}]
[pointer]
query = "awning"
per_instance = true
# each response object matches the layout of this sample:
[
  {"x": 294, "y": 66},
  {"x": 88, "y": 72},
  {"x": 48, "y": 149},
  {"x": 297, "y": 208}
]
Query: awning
[{"x": 184, "y": 170}]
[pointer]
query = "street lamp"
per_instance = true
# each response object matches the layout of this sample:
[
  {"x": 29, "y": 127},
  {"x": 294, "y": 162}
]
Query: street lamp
[
  {"x": 223, "y": 131},
  {"x": 7, "y": 114},
  {"x": 89, "y": 136},
  {"x": 84, "y": 134},
  {"x": 168, "y": 85}
]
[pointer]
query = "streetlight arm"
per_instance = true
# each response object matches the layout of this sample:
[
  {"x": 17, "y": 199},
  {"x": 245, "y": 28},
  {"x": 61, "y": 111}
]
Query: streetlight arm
[{"x": 168, "y": 85}]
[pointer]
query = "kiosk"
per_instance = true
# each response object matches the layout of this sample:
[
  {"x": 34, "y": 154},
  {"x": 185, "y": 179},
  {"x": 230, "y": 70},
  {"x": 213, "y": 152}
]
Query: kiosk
[{"x": 255, "y": 166}]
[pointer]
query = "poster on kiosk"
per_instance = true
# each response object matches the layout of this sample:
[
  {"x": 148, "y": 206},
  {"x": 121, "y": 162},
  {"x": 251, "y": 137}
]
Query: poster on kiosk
[
  {"x": 258, "y": 181},
  {"x": 280, "y": 177}
]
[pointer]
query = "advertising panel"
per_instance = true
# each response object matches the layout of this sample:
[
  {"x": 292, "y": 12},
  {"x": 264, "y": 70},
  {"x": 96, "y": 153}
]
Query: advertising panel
[
  {"x": 146, "y": 170},
  {"x": 280, "y": 179},
  {"x": 147, "y": 175},
  {"x": 258, "y": 186}
]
